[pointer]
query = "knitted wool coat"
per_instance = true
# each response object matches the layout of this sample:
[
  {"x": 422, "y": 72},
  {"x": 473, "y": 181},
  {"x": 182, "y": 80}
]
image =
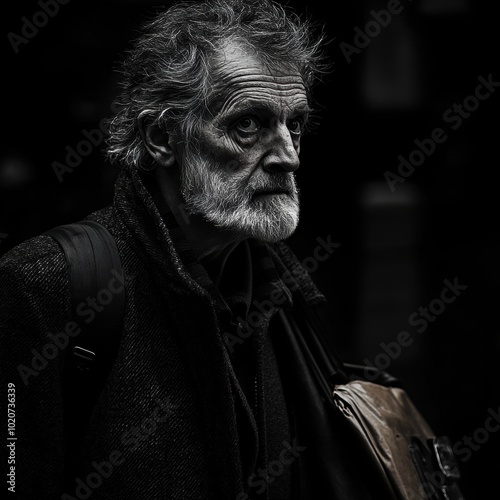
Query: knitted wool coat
[{"x": 173, "y": 421}]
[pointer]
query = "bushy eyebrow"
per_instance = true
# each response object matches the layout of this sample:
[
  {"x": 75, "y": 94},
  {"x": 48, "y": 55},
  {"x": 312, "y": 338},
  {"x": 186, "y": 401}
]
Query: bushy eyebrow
[{"x": 257, "y": 106}]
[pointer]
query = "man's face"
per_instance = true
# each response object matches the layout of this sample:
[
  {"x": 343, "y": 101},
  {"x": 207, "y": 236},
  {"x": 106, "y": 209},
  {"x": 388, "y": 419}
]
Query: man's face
[{"x": 242, "y": 178}]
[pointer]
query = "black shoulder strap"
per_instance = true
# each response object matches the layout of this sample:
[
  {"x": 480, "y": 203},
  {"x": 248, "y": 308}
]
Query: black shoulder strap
[
  {"x": 97, "y": 288},
  {"x": 97, "y": 291}
]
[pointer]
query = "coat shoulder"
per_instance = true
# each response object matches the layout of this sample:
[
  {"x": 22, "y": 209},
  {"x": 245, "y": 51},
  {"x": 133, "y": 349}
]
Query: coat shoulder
[
  {"x": 33, "y": 258},
  {"x": 40, "y": 257}
]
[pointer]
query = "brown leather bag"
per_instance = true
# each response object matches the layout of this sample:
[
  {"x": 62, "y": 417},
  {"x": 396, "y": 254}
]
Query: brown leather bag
[
  {"x": 397, "y": 455},
  {"x": 412, "y": 460}
]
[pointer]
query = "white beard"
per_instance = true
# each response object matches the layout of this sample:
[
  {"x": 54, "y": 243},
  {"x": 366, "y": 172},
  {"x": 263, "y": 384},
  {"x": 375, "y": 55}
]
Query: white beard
[{"x": 229, "y": 203}]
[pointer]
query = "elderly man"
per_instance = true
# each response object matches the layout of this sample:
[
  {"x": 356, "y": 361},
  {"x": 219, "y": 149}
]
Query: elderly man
[{"x": 216, "y": 97}]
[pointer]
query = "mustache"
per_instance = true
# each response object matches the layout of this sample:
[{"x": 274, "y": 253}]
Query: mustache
[{"x": 278, "y": 182}]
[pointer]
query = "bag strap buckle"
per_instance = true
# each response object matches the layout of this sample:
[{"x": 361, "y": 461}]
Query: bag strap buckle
[
  {"x": 83, "y": 358},
  {"x": 445, "y": 459}
]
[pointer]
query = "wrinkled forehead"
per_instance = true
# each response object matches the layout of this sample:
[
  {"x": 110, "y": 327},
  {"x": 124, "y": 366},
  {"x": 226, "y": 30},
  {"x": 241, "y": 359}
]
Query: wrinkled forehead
[{"x": 239, "y": 75}]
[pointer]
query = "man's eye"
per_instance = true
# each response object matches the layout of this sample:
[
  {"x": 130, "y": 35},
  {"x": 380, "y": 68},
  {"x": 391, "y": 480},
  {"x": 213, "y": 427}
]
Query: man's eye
[
  {"x": 295, "y": 126},
  {"x": 247, "y": 125}
]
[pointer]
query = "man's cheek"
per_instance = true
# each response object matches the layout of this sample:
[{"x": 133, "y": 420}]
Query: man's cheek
[
  {"x": 240, "y": 165},
  {"x": 232, "y": 166}
]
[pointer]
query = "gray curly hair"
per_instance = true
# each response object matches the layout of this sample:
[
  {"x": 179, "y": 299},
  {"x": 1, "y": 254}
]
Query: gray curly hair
[{"x": 167, "y": 73}]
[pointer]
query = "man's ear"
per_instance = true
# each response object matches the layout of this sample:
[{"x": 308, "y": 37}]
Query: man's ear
[{"x": 160, "y": 144}]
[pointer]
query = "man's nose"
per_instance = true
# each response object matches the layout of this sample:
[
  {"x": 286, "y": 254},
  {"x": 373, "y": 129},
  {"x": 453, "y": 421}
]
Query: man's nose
[{"x": 282, "y": 156}]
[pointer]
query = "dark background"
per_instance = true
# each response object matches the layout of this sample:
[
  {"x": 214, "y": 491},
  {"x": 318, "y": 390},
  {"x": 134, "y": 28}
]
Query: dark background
[{"x": 396, "y": 248}]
